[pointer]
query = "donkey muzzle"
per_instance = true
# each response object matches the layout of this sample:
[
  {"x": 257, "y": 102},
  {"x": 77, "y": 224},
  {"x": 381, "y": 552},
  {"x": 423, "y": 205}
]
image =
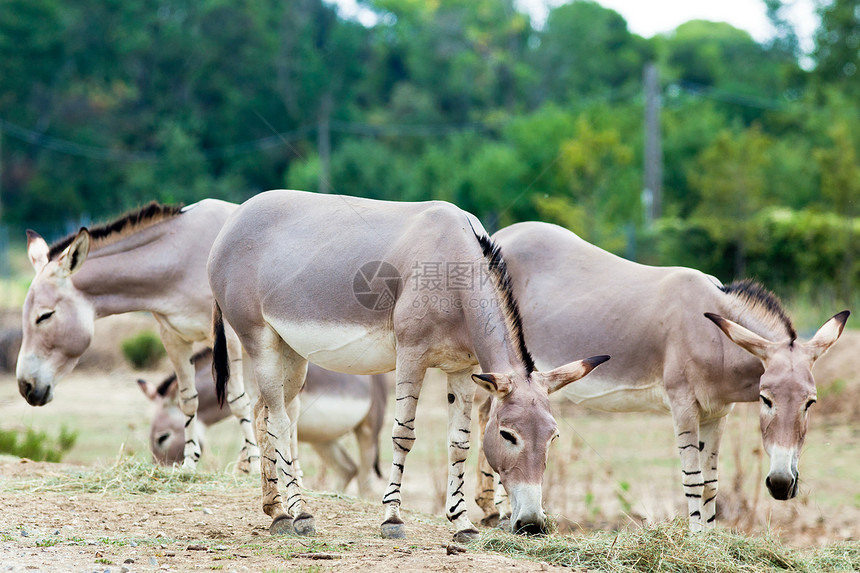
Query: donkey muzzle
[
  {"x": 782, "y": 487},
  {"x": 527, "y": 515},
  {"x": 34, "y": 394}
]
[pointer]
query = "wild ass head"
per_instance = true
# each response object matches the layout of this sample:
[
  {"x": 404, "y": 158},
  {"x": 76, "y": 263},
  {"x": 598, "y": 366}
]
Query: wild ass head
[
  {"x": 58, "y": 318},
  {"x": 521, "y": 426},
  {"x": 167, "y": 429},
  {"x": 786, "y": 392},
  {"x": 58, "y": 321}
]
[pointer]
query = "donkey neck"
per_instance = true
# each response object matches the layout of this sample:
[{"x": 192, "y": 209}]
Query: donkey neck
[
  {"x": 137, "y": 272},
  {"x": 490, "y": 334}
]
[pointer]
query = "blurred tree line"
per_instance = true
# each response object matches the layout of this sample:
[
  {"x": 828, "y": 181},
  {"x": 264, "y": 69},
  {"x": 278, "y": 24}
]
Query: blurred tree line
[{"x": 109, "y": 104}]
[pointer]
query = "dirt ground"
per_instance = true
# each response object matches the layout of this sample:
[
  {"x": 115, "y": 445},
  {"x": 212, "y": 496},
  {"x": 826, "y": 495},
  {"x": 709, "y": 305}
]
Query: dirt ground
[{"x": 596, "y": 480}]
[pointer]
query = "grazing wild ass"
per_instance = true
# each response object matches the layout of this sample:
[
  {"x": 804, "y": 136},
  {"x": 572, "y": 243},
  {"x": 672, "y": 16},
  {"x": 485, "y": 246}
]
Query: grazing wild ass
[
  {"x": 333, "y": 405},
  {"x": 362, "y": 286},
  {"x": 680, "y": 342},
  {"x": 152, "y": 259}
]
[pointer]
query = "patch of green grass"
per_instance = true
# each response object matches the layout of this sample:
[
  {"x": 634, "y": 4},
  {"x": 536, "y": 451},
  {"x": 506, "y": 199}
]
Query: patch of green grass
[
  {"x": 105, "y": 561},
  {"x": 48, "y": 541},
  {"x": 669, "y": 547}
]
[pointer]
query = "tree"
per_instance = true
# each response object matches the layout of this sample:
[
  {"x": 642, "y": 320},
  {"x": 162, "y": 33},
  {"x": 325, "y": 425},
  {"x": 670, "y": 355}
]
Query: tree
[
  {"x": 837, "y": 46},
  {"x": 730, "y": 177}
]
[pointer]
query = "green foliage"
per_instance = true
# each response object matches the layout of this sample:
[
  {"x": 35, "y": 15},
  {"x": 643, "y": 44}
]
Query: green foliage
[
  {"x": 37, "y": 446},
  {"x": 143, "y": 350},
  {"x": 107, "y": 105}
]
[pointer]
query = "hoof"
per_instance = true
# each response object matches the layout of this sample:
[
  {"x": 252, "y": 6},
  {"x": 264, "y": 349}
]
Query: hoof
[
  {"x": 393, "y": 530},
  {"x": 491, "y": 520},
  {"x": 304, "y": 524},
  {"x": 282, "y": 525},
  {"x": 466, "y": 536}
]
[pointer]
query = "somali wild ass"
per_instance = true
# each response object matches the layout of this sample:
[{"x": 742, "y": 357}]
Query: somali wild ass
[
  {"x": 152, "y": 259},
  {"x": 360, "y": 286},
  {"x": 658, "y": 324},
  {"x": 332, "y": 405}
]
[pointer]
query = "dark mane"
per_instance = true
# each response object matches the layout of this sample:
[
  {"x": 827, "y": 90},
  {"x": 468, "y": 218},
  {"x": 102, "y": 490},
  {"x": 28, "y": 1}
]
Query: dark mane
[
  {"x": 510, "y": 308},
  {"x": 124, "y": 225},
  {"x": 755, "y": 296},
  {"x": 206, "y": 353}
]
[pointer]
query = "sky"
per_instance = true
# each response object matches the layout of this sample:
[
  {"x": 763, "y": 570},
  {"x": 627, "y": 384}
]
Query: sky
[{"x": 650, "y": 17}]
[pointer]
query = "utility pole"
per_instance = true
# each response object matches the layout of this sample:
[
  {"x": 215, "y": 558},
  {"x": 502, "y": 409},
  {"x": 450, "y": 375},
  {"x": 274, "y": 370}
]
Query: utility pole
[{"x": 652, "y": 192}]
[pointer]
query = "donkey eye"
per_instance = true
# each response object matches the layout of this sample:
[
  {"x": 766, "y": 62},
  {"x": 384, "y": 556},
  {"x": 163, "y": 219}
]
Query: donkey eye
[
  {"x": 44, "y": 316},
  {"x": 508, "y": 436},
  {"x": 766, "y": 401},
  {"x": 162, "y": 438},
  {"x": 810, "y": 403}
]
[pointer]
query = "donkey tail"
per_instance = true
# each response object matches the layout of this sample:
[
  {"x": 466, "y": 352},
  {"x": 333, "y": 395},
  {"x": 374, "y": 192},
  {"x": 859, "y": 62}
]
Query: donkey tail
[{"x": 220, "y": 361}]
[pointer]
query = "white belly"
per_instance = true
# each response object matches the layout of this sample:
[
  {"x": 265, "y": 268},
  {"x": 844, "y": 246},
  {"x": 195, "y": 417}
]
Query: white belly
[
  {"x": 350, "y": 348},
  {"x": 326, "y": 418}
]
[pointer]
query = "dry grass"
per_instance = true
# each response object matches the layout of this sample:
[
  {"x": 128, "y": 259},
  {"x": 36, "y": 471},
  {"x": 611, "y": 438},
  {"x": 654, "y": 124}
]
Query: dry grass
[{"x": 670, "y": 547}]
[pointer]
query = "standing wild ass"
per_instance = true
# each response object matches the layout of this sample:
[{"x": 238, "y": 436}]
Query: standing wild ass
[
  {"x": 357, "y": 285},
  {"x": 666, "y": 355},
  {"x": 152, "y": 259},
  {"x": 333, "y": 404}
]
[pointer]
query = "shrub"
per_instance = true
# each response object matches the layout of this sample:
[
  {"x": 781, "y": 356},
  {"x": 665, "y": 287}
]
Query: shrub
[
  {"x": 37, "y": 446},
  {"x": 143, "y": 350}
]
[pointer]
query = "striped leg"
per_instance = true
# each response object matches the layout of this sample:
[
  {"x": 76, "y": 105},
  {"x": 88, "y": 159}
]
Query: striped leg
[
  {"x": 711, "y": 434},
  {"x": 280, "y": 373},
  {"x": 272, "y": 503},
  {"x": 461, "y": 392},
  {"x": 294, "y": 410},
  {"x": 240, "y": 406},
  {"x": 485, "y": 490},
  {"x": 687, "y": 438},
  {"x": 408, "y": 388},
  {"x": 179, "y": 352}
]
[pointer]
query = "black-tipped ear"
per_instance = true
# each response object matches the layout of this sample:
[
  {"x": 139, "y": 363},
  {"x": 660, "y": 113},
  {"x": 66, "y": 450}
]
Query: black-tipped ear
[
  {"x": 497, "y": 385},
  {"x": 37, "y": 250},
  {"x": 556, "y": 379},
  {"x": 828, "y": 334},
  {"x": 743, "y": 337},
  {"x": 76, "y": 253}
]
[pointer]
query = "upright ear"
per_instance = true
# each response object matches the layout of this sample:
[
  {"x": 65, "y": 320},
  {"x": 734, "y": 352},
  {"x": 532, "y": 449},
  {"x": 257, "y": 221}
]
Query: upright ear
[
  {"x": 75, "y": 254},
  {"x": 746, "y": 339},
  {"x": 37, "y": 250},
  {"x": 827, "y": 335},
  {"x": 556, "y": 379},
  {"x": 148, "y": 389},
  {"x": 496, "y": 384}
]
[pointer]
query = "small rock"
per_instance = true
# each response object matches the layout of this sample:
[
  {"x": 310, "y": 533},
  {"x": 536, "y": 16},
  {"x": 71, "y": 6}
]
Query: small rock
[
  {"x": 132, "y": 543},
  {"x": 221, "y": 548},
  {"x": 125, "y": 569},
  {"x": 160, "y": 534},
  {"x": 25, "y": 533},
  {"x": 207, "y": 511},
  {"x": 129, "y": 560},
  {"x": 454, "y": 549},
  {"x": 153, "y": 561},
  {"x": 197, "y": 548},
  {"x": 56, "y": 532}
]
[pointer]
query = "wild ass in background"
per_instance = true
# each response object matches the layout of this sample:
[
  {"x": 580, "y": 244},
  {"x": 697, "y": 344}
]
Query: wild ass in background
[
  {"x": 152, "y": 259},
  {"x": 332, "y": 404},
  {"x": 361, "y": 286},
  {"x": 657, "y": 323}
]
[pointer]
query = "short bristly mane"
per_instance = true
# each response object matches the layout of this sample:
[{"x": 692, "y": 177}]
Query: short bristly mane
[
  {"x": 510, "y": 309},
  {"x": 758, "y": 299},
  {"x": 121, "y": 227}
]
